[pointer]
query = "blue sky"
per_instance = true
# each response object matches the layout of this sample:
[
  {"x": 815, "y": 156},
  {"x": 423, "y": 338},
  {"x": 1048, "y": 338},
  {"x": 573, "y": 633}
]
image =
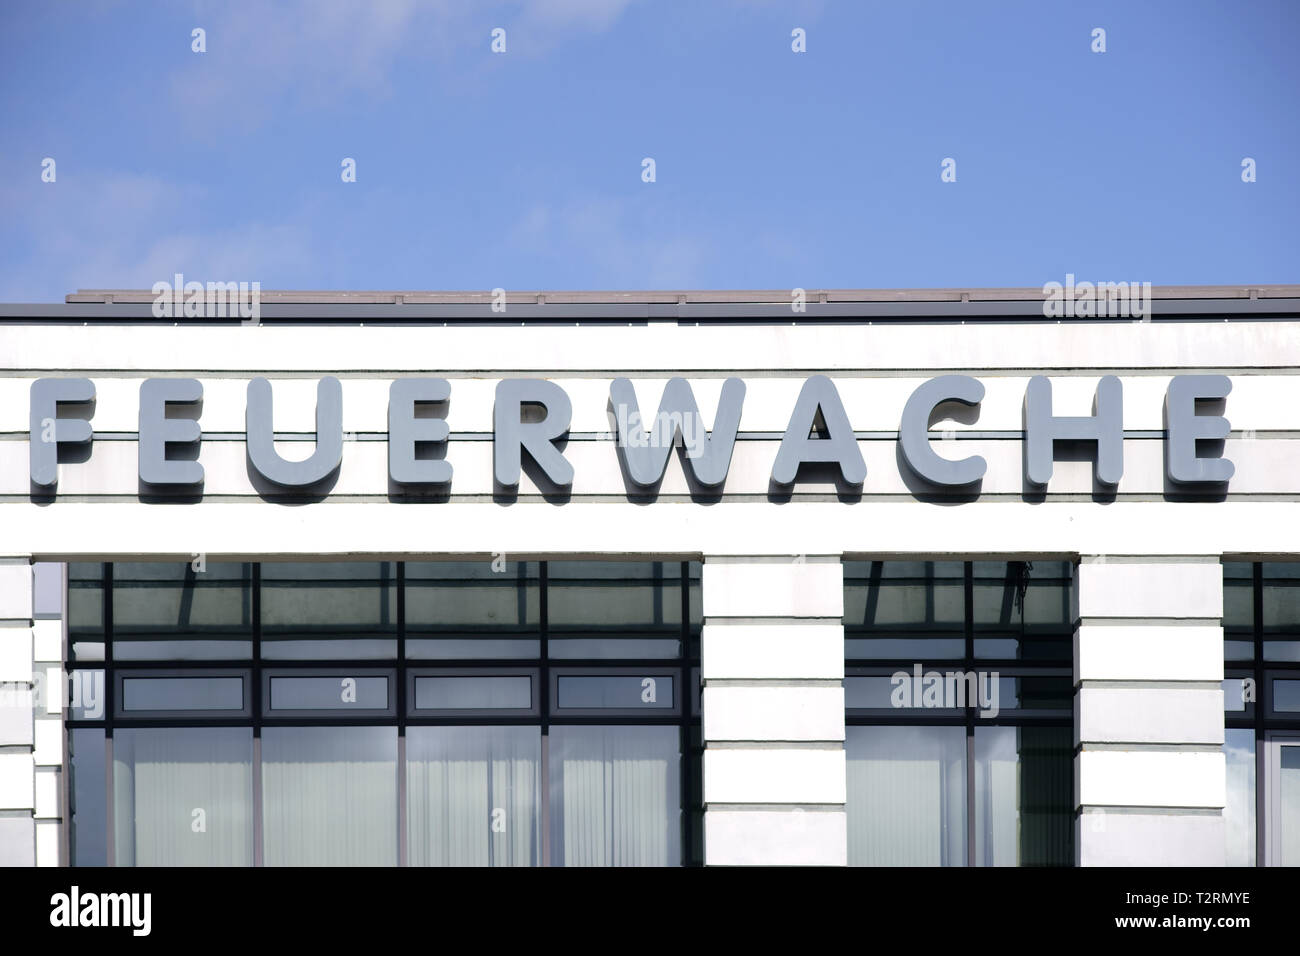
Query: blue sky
[{"x": 522, "y": 170}]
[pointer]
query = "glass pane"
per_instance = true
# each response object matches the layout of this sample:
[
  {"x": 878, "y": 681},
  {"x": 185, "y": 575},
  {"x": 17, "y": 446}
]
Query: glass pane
[
  {"x": 474, "y": 796},
  {"x": 472, "y": 648},
  {"x": 173, "y": 612},
  {"x": 1235, "y": 692},
  {"x": 915, "y": 648},
  {"x": 615, "y": 796},
  {"x": 874, "y": 692},
  {"x": 88, "y": 834},
  {"x": 182, "y": 693},
  {"x": 1239, "y": 814},
  {"x": 613, "y": 648},
  {"x": 1239, "y": 604},
  {"x": 1239, "y": 650},
  {"x": 906, "y": 796},
  {"x": 86, "y": 695},
  {"x": 904, "y": 610},
  {"x": 1288, "y": 821},
  {"x": 643, "y": 598},
  {"x": 1286, "y": 695},
  {"x": 329, "y": 693},
  {"x": 474, "y": 693},
  {"x": 894, "y": 595},
  {"x": 1031, "y": 693},
  {"x": 694, "y": 595},
  {"x": 1024, "y": 796},
  {"x": 1286, "y": 651},
  {"x": 183, "y": 797},
  {"x": 329, "y": 610},
  {"x": 1022, "y": 610},
  {"x": 468, "y": 610},
  {"x": 1281, "y": 596},
  {"x": 330, "y": 796},
  {"x": 86, "y": 611},
  {"x": 590, "y": 692}
]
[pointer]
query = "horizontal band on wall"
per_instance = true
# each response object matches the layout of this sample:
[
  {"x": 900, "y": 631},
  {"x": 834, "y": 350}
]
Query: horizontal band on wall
[
  {"x": 347, "y": 529},
  {"x": 990, "y": 345},
  {"x": 1262, "y": 403}
]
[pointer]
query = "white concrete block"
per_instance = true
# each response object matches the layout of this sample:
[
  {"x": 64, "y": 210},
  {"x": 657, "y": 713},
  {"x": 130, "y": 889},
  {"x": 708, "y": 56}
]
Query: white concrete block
[
  {"x": 15, "y": 653},
  {"x": 47, "y": 588},
  {"x": 1146, "y": 778},
  {"x": 773, "y": 713},
  {"x": 757, "y": 651},
  {"x": 1138, "y": 714},
  {"x": 1174, "y": 589},
  {"x": 793, "y": 837},
  {"x": 737, "y": 587},
  {"x": 17, "y": 789},
  {"x": 47, "y": 843},
  {"x": 1148, "y": 652},
  {"x": 47, "y": 736},
  {"x": 17, "y": 841},
  {"x": 47, "y": 640},
  {"x": 15, "y": 589},
  {"x": 1150, "y": 839},
  {"x": 47, "y": 793},
  {"x": 53, "y": 689},
  {"x": 774, "y": 775},
  {"x": 15, "y": 715}
]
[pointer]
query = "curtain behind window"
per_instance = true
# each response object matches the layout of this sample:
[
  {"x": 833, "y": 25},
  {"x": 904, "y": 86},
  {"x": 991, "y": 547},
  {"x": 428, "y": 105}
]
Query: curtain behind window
[
  {"x": 183, "y": 797},
  {"x": 473, "y": 796},
  {"x": 1024, "y": 787},
  {"x": 906, "y": 796},
  {"x": 1239, "y": 814},
  {"x": 330, "y": 796},
  {"x": 615, "y": 796}
]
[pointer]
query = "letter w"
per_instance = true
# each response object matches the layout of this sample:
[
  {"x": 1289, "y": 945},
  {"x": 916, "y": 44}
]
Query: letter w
[{"x": 707, "y": 454}]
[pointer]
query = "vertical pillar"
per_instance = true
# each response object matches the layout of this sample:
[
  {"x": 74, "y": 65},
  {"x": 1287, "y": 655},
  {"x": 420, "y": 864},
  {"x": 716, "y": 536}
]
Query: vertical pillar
[
  {"x": 772, "y": 665},
  {"x": 1150, "y": 774},
  {"x": 17, "y": 762},
  {"x": 48, "y": 735}
]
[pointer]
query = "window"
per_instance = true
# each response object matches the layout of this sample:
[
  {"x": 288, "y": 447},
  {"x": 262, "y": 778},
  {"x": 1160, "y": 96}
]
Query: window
[
  {"x": 959, "y": 697},
  {"x": 385, "y": 713},
  {"x": 1261, "y": 702}
]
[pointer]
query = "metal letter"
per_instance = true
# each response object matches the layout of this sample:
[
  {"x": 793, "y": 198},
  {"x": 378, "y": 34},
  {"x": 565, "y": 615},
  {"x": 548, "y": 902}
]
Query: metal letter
[
  {"x": 708, "y": 454},
  {"x": 157, "y": 431},
  {"x": 913, "y": 431},
  {"x": 512, "y": 435},
  {"x": 329, "y": 436},
  {"x": 1184, "y": 428},
  {"x": 1105, "y": 427},
  {"x": 49, "y": 431},
  {"x": 839, "y": 446},
  {"x": 404, "y": 430}
]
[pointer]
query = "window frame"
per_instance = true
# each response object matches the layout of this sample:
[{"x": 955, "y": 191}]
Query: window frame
[
  {"x": 969, "y": 717},
  {"x": 257, "y": 672}
]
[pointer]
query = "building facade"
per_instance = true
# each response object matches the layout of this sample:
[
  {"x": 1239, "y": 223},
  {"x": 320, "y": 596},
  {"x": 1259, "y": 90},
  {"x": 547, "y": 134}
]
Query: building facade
[{"x": 957, "y": 577}]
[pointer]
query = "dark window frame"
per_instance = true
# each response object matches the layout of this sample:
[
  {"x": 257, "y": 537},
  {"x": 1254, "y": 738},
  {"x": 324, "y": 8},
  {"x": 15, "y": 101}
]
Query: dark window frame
[
  {"x": 1259, "y": 714},
  {"x": 969, "y": 717},
  {"x": 685, "y": 714}
]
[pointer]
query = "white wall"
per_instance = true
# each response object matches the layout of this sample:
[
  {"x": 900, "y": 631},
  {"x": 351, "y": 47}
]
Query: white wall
[{"x": 773, "y": 658}]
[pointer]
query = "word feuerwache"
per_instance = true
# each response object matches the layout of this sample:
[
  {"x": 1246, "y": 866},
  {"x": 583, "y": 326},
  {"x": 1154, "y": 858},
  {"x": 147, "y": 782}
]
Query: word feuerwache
[{"x": 532, "y": 415}]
